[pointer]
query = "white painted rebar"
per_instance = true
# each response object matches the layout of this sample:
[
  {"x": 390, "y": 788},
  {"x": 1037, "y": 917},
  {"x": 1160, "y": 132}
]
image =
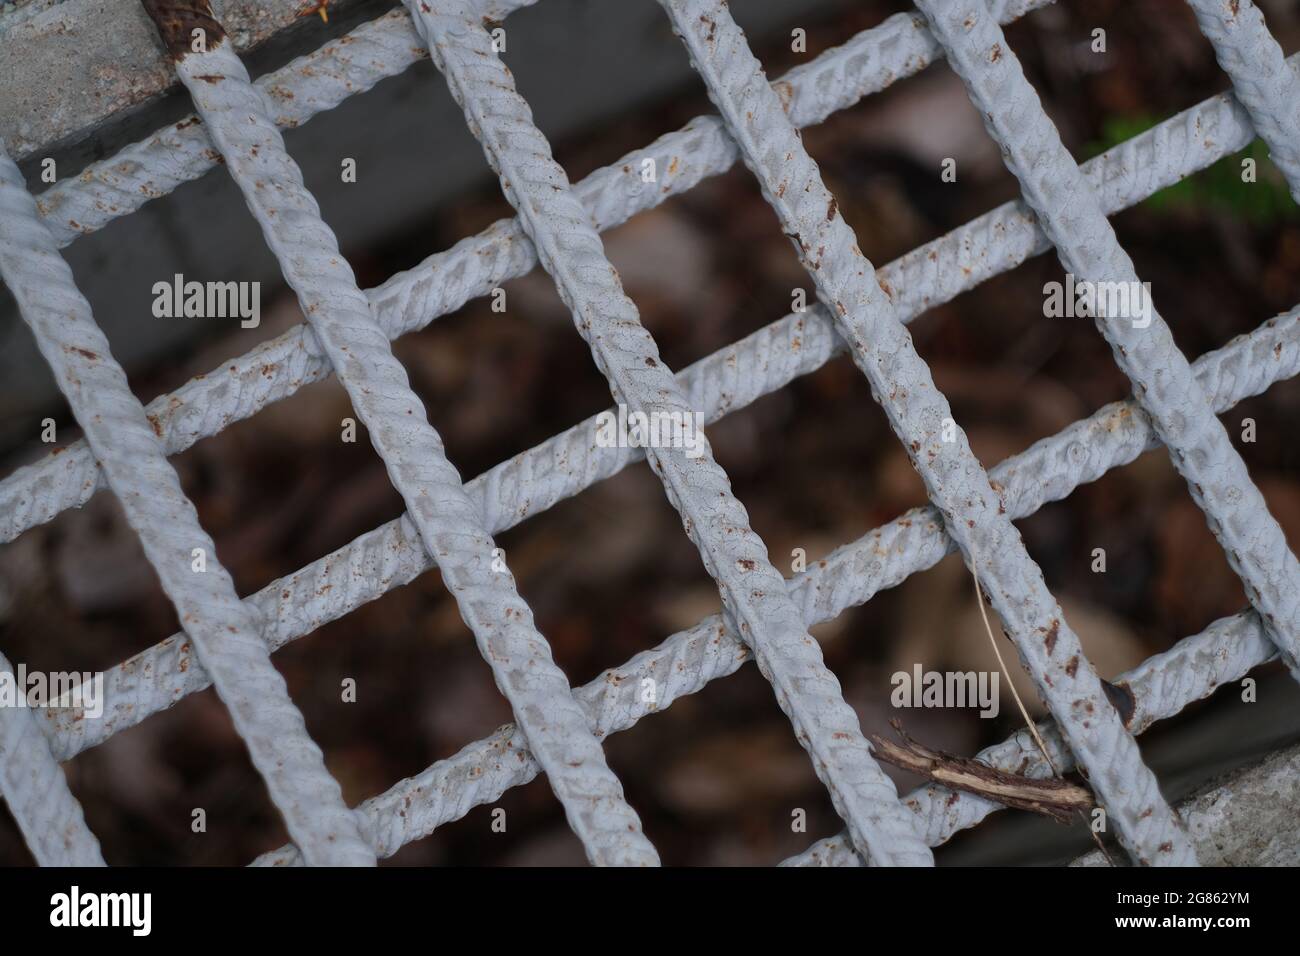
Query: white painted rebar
[
  {"x": 444, "y": 282},
  {"x": 1162, "y": 685},
  {"x": 1073, "y": 218},
  {"x": 753, "y": 592},
  {"x": 108, "y": 189},
  {"x": 392, "y": 555},
  {"x": 395, "y": 553},
  {"x": 450, "y": 526},
  {"x": 34, "y": 788},
  {"x": 682, "y": 665},
  {"x": 920, "y": 416},
  {"x": 225, "y": 632},
  {"x": 1249, "y": 817},
  {"x": 1267, "y": 85}
]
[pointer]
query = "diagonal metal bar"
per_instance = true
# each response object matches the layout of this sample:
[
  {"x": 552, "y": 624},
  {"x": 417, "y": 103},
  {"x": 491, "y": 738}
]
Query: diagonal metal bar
[
  {"x": 1162, "y": 686},
  {"x": 688, "y": 660},
  {"x": 685, "y": 663},
  {"x": 32, "y": 784},
  {"x": 918, "y": 413},
  {"x": 1072, "y": 217},
  {"x": 225, "y": 632},
  {"x": 836, "y": 79},
  {"x": 1264, "y": 81},
  {"x": 392, "y": 555},
  {"x": 752, "y": 591},
  {"x": 1225, "y": 647},
  {"x": 1249, "y": 816},
  {"x": 447, "y": 280},
  {"x": 146, "y": 170},
  {"x": 448, "y": 522},
  {"x": 444, "y": 282}
]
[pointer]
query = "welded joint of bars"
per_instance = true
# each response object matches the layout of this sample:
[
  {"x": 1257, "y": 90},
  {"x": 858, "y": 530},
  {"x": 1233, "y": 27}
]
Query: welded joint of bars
[
  {"x": 684, "y": 663},
  {"x": 442, "y": 283},
  {"x": 350, "y": 65}
]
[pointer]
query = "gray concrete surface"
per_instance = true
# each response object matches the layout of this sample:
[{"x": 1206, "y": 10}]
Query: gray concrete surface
[{"x": 1250, "y": 817}]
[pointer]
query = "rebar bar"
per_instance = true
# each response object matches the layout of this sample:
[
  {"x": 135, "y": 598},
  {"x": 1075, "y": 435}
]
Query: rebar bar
[
  {"x": 716, "y": 522},
  {"x": 920, "y": 416},
  {"x": 225, "y": 631},
  {"x": 472, "y": 567}
]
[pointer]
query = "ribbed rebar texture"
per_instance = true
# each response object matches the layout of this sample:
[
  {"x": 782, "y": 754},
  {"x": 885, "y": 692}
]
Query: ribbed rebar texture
[
  {"x": 563, "y": 466},
  {"x": 444, "y": 282},
  {"x": 448, "y": 521},
  {"x": 484, "y": 770},
  {"x": 225, "y": 632},
  {"x": 32, "y": 784},
  {"x": 926, "y": 277},
  {"x": 1072, "y": 217},
  {"x": 920, "y": 416},
  {"x": 226, "y": 642},
  {"x": 1267, "y": 85},
  {"x": 1247, "y": 817},
  {"x": 852, "y": 575},
  {"x": 183, "y": 151},
  {"x": 752, "y": 591},
  {"x": 387, "y": 46},
  {"x": 1161, "y": 686}
]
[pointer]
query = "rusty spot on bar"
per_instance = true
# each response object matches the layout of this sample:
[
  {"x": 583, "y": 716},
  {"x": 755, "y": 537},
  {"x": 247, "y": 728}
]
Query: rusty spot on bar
[
  {"x": 1050, "y": 639},
  {"x": 1121, "y": 697},
  {"x": 178, "y": 19}
]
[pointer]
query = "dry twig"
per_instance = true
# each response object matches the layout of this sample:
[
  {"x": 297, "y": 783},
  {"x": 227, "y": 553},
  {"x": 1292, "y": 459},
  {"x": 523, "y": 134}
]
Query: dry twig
[{"x": 1052, "y": 796}]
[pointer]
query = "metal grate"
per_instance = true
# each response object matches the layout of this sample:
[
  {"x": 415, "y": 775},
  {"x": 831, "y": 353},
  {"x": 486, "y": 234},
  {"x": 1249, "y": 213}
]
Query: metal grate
[{"x": 226, "y": 642}]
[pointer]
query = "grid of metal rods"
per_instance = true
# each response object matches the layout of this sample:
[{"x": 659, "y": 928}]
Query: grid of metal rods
[{"x": 861, "y": 310}]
